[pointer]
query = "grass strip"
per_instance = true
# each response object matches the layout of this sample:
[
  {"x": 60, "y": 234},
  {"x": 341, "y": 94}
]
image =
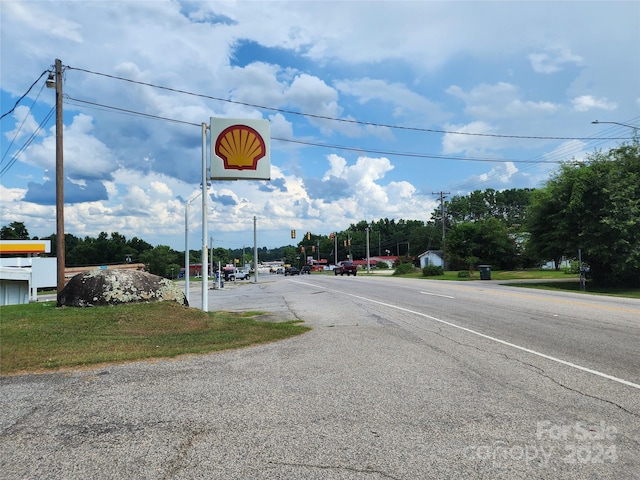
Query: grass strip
[
  {"x": 41, "y": 336},
  {"x": 575, "y": 287}
]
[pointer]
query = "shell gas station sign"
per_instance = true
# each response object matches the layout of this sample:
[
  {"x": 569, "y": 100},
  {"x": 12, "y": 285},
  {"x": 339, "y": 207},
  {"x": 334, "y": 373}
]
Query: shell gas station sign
[
  {"x": 240, "y": 149},
  {"x": 31, "y": 247}
]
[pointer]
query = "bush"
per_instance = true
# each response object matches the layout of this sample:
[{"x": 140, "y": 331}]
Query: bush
[
  {"x": 464, "y": 274},
  {"x": 432, "y": 271},
  {"x": 404, "y": 268}
]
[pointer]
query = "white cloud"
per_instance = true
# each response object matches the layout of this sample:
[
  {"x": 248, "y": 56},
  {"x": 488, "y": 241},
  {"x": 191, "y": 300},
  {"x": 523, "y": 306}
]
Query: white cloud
[
  {"x": 453, "y": 143},
  {"x": 85, "y": 156},
  {"x": 497, "y": 177},
  {"x": 553, "y": 60},
  {"x": 499, "y": 101},
  {"x": 585, "y": 103},
  {"x": 405, "y": 102},
  {"x": 569, "y": 150},
  {"x": 25, "y": 125},
  {"x": 390, "y": 63}
]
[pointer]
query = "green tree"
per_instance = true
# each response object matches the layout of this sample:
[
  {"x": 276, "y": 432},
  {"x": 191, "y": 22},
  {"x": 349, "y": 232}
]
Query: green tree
[
  {"x": 593, "y": 206},
  {"x": 486, "y": 241},
  {"x": 14, "y": 231},
  {"x": 159, "y": 260}
]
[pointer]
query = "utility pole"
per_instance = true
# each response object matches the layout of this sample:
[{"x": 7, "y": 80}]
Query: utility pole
[
  {"x": 368, "y": 261},
  {"x": 60, "y": 250},
  {"x": 444, "y": 243},
  {"x": 255, "y": 251}
]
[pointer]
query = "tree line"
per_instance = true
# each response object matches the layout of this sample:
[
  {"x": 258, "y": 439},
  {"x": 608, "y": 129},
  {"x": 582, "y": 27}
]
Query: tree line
[{"x": 591, "y": 206}]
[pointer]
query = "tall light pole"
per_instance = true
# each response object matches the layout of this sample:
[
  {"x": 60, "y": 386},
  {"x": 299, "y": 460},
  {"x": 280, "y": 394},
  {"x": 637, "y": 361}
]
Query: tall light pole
[
  {"x": 634, "y": 127},
  {"x": 187, "y": 269},
  {"x": 60, "y": 256}
]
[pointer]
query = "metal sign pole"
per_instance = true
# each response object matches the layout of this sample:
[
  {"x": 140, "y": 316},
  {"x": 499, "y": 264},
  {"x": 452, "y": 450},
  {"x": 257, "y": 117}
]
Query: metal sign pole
[{"x": 205, "y": 260}]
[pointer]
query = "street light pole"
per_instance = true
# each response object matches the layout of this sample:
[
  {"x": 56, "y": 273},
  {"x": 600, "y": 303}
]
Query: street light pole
[
  {"x": 634, "y": 127},
  {"x": 187, "y": 267}
]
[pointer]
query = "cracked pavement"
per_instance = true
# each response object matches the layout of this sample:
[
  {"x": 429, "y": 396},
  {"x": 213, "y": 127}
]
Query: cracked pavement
[{"x": 380, "y": 390}]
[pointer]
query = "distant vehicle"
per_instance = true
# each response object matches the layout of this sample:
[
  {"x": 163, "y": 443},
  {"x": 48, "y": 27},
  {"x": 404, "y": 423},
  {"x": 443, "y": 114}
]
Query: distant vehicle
[
  {"x": 237, "y": 274},
  {"x": 349, "y": 268},
  {"x": 280, "y": 271},
  {"x": 291, "y": 271},
  {"x": 306, "y": 269}
]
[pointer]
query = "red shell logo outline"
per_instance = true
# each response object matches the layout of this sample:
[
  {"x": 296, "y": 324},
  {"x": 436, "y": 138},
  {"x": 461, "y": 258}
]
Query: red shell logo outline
[{"x": 240, "y": 147}]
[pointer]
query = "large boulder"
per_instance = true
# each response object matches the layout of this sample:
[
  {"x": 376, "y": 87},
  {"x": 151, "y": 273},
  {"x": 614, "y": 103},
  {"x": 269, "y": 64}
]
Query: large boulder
[{"x": 113, "y": 287}]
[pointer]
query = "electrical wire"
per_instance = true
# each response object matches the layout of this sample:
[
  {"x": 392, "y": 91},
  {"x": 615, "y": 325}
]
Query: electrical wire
[
  {"x": 22, "y": 97},
  {"x": 534, "y": 162},
  {"x": 27, "y": 143},
  {"x": 317, "y": 144},
  {"x": 323, "y": 117},
  {"x": 567, "y": 150},
  {"x": 19, "y": 129}
]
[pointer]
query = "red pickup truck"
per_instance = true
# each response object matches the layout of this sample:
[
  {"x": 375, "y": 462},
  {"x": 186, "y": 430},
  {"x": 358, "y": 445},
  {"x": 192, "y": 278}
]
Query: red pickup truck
[{"x": 349, "y": 268}]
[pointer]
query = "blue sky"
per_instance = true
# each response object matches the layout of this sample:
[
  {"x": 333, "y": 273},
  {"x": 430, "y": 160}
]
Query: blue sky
[{"x": 406, "y": 99}]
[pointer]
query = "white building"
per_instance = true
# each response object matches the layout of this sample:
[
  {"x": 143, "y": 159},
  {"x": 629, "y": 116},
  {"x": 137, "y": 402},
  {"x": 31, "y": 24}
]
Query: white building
[
  {"x": 431, "y": 257},
  {"x": 20, "y": 277}
]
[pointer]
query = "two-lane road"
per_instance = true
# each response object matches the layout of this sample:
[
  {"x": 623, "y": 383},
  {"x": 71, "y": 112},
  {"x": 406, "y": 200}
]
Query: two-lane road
[
  {"x": 594, "y": 332},
  {"x": 398, "y": 379}
]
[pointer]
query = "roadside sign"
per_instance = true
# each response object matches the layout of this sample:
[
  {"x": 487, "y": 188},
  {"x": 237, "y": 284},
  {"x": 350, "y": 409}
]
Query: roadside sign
[{"x": 240, "y": 149}]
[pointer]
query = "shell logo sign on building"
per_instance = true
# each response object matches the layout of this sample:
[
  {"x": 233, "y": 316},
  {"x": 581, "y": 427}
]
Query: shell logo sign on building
[{"x": 240, "y": 149}]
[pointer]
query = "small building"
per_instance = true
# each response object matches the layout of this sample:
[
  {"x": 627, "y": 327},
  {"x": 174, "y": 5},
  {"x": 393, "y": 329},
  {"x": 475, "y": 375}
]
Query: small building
[
  {"x": 20, "y": 277},
  {"x": 431, "y": 257},
  {"x": 390, "y": 260},
  {"x": 14, "y": 285},
  {"x": 362, "y": 264}
]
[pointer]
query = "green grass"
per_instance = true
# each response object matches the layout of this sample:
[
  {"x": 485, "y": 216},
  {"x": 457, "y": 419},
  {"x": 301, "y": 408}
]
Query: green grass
[
  {"x": 549, "y": 280},
  {"x": 41, "y": 336},
  {"x": 575, "y": 287},
  {"x": 503, "y": 275}
]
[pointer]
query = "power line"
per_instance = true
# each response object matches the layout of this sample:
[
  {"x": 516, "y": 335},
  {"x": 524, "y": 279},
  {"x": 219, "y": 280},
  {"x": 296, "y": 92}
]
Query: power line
[
  {"x": 19, "y": 129},
  {"x": 566, "y": 150},
  {"x": 133, "y": 112},
  {"x": 22, "y": 97},
  {"x": 324, "y": 117},
  {"x": 28, "y": 142},
  {"x": 318, "y": 144}
]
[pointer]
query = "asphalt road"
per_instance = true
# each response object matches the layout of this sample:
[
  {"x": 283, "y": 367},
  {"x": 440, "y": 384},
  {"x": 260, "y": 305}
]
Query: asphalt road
[{"x": 399, "y": 379}]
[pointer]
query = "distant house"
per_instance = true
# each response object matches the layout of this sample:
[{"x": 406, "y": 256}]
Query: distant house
[
  {"x": 390, "y": 260},
  {"x": 362, "y": 264},
  {"x": 431, "y": 257}
]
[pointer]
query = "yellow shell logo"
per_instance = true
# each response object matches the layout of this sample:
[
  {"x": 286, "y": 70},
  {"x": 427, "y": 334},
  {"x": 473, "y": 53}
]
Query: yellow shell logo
[{"x": 240, "y": 147}]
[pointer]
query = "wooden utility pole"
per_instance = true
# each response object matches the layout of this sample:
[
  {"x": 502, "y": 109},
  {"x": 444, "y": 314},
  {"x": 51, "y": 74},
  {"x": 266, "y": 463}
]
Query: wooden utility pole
[
  {"x": 60, "y": 251},
  {"x": 444, "y": 242}
]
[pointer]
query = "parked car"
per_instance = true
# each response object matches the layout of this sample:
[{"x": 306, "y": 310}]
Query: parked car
[
  {"x": 306, "y": 269},
  {"x": 237, "y": 274},
  {"x": 291, "y": 271}
]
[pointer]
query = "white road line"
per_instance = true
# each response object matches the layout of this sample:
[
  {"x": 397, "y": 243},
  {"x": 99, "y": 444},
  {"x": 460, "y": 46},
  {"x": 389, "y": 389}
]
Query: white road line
[
  {"x": 488, "y": 337},
  {"x": 503, "y": 342},
  {"x": 436, "y": 295}
]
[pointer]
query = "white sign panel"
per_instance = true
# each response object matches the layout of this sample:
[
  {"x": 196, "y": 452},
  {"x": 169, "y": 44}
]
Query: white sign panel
[{"x": 240, "y": 149}]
